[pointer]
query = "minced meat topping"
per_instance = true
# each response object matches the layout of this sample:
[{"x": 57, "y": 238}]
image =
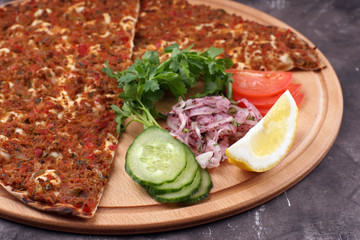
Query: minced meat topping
[{"x": 57, "y": 131}]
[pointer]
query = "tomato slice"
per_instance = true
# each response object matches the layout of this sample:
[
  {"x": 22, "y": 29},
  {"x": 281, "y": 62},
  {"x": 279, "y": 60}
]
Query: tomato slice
[
  {"x": 268, "y": 102},
  {"x": 298, "y": 97},
  {"x": 263, "y": 111},
  {"x": 259, "y": 83}
]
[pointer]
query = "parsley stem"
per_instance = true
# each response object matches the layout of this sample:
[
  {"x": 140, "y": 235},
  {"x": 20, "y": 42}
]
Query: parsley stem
[
  {"x": 134, "y": 118},
  {"x": 151, "y": 120},
  {"x": 229, "y": 90}
]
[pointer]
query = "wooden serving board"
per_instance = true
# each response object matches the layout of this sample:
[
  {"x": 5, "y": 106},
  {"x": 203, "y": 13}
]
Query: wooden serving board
[{"x": 127, "y": 209}]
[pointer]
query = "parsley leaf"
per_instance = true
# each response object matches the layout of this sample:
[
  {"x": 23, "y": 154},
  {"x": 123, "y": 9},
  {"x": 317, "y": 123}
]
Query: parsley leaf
[{"x": 214, "y": 52}]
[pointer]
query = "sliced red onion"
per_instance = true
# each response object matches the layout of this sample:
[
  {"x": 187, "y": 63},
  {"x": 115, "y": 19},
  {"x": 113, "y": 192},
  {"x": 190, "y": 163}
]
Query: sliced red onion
[{"x": 209, "y": 125}]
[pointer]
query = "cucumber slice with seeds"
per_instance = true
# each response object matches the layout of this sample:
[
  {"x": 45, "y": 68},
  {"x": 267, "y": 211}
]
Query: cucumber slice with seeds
[
  {"x": 166, "y": 168},
  {"x": 185, "y": 178},
  {"x": 155, "y": 157}
]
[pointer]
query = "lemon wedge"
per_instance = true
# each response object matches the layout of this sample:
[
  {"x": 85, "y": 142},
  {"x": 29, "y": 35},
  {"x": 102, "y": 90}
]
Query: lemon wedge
[{"x": 267, "y": 143}]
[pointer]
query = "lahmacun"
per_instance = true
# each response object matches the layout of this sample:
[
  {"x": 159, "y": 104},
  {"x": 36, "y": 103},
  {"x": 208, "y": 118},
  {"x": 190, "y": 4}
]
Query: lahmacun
[{"x": 57, "y": 131}]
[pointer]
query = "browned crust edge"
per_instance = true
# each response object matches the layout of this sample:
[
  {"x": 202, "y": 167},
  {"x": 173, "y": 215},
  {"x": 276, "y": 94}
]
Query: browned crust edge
[{"x": 62, "y": 209}]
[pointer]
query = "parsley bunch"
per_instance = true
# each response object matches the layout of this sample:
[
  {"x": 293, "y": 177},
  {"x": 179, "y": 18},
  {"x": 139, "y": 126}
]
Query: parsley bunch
[{"x": 145, "y": 81}]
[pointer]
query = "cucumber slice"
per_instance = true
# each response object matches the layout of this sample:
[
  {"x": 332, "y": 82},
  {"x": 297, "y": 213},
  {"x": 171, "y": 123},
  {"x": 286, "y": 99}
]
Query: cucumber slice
[
  {"x": 204, "y": 189},
  {"x": 183, "y": 194},
  {"x": 185, "y": 178},
  {"x": 155, "y": 157}
]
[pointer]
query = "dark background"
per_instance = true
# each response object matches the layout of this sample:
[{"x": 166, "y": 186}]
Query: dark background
[{"x": 326, "y": 204}]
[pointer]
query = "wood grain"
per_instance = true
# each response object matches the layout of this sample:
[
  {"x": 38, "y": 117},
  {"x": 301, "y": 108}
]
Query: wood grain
[{"x": 126, "y": 208}]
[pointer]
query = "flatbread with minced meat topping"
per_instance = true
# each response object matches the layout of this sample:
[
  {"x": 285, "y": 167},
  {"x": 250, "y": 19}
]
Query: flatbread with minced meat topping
[
  {"x": 57, "y": 132},
  {"x": 250, "y": 45}
]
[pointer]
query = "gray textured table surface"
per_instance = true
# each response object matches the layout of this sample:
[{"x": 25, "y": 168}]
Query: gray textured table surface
[{"x": 326, "y": 204}]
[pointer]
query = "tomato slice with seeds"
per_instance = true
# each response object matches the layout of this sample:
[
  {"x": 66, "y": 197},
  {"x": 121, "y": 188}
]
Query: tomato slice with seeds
[{"x": 259, "y": 83}]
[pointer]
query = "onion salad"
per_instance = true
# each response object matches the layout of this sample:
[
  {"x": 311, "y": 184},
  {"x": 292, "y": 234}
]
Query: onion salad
[{"x": 209, "y": 125}]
